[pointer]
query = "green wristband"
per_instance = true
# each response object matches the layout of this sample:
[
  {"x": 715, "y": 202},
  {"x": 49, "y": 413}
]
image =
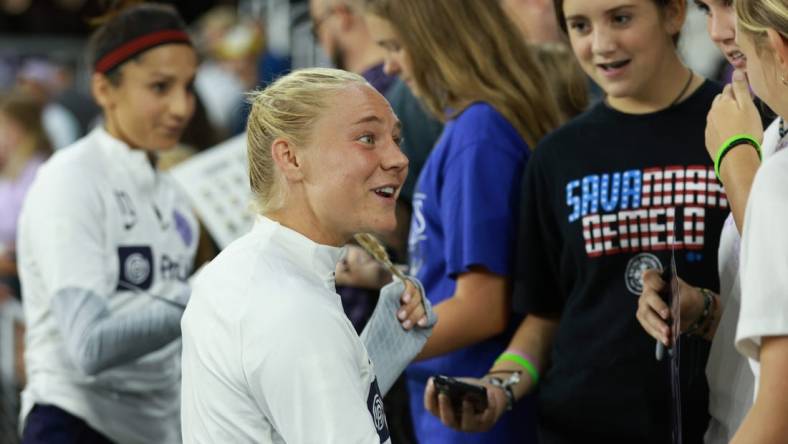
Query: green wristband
[
  {"x": 730, "y": 143},
  {"x": 524, "y": 363}
]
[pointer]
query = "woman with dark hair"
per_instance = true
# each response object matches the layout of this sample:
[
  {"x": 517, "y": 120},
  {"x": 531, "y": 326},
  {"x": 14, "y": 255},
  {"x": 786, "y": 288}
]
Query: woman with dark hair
[{"x": 106, "y": 243}]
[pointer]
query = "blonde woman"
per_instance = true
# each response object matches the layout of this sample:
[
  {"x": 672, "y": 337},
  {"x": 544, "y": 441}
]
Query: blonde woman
[
  {"x": 762, "y": 331},
  {"x": 472, "y": 70},
  {"x": 268, "y": 353}
]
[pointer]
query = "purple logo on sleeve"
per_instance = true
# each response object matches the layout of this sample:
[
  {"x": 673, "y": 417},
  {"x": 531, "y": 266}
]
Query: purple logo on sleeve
[{"x": 182, "y": 225}]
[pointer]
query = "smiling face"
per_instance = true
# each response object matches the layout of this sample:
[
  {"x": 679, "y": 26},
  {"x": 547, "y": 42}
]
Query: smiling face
[
  {"x": 353, "y": 168},
  {"x": 622, "y": 44},
  {"x": 153, "y": 102},
  {"x": 721, "y": 25},
  {"x": 396, "y": 60}
]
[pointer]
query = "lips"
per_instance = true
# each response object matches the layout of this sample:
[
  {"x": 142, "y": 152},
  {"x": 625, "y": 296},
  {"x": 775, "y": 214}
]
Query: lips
[
  {"x": 610, "y": 66},
  {"x": 388, "y": 191},
  {"x": 736, "y": 58}
]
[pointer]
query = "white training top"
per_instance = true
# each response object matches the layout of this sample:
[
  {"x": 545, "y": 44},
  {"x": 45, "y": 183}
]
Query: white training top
[
  {"x": 268, "y": 353},
  {"x": 731, "y": 380},
  {"x": 764, "y": 259},
  {"x": 99, "y": 218}
]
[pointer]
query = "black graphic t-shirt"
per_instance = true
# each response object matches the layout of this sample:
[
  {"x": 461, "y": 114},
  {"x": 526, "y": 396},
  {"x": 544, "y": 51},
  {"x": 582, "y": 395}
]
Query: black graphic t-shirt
[{"x": 605, "y": 197}]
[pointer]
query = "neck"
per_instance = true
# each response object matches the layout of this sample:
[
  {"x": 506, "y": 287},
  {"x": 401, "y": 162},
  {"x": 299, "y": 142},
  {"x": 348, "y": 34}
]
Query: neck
[
  {"x": 305, "y": 222},
  {"x": 114, "y": 130},
  {"x": 670, "y": 82}
]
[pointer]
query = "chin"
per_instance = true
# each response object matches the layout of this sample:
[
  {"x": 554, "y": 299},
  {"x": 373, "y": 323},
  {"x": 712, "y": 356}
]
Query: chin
[{"x": 383, "y": 226}]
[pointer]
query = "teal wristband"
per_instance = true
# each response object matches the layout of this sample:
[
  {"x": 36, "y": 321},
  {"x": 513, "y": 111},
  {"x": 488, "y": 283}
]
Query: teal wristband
[
  {"x": 524, "y": 363},
  {"x": 731, "y": 143}
]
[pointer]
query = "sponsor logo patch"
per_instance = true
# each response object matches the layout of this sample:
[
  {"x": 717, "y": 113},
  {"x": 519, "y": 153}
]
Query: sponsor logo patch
[
  {"x": 376, "y": 410},
  {"x": 136, "y": 267}
]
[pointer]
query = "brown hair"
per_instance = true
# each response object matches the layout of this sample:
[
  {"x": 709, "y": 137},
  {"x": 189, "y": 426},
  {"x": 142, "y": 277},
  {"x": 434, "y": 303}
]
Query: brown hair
[
  {"x": 565, "y": 77},
  {"x": 464, "y": 51},
  {"x": 25, "y": 110}
]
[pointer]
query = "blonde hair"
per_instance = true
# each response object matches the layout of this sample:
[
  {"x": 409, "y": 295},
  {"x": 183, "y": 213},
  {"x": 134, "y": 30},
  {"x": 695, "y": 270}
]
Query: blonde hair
[
  {"x": 464, "y": 51},
  {"x": 287, "y": 109},
  {"x": 754, "y": 17}
]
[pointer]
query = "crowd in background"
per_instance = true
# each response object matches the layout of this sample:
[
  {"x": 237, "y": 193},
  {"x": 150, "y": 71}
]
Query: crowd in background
[{"x": 526, "y": 281}]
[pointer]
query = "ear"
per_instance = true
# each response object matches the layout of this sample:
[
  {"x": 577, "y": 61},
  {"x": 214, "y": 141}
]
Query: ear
[
  {"x": 779, "y": 45},
  {"x": 675, "y": 14},
  {"x": 287, "y": 160},
  {"x": 103, "y": 90}
]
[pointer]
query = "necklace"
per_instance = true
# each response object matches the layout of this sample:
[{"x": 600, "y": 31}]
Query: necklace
[{"x": 683, "y": 90}]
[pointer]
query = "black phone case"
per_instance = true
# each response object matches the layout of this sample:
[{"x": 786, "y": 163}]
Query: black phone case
[{"x": 458, "y": 391}]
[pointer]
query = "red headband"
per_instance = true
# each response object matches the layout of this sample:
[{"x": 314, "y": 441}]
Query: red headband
[{"x": 137, "y": 45}]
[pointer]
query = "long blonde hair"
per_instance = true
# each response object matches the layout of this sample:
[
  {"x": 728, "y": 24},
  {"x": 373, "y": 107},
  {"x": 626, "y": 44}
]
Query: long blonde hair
[
  {"x": 464, "y": 51},
  {"x": 756, "y": 16},
  {"x": 287, "y": 109}
]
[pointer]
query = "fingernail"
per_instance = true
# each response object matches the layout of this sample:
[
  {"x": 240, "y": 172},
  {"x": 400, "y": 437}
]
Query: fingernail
[
  {"x": 402, "y": 315},
  {"x": 422, "y": 322},
  {"x": 406, "y": 298},
  {"x": 738, "y": 75},
  {"x": 664, "y": 314},
  {"x": 407, "y": 324}
]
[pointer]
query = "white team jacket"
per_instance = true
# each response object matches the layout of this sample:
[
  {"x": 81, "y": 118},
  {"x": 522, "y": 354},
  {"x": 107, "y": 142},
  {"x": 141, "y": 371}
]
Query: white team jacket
[
  {"x": 100, "y": 218},
  {"x": 268, "y": 353}
]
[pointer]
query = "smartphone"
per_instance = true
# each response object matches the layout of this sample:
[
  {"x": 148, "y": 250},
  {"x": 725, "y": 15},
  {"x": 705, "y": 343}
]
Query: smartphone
[{"x": 458, "y": 391}]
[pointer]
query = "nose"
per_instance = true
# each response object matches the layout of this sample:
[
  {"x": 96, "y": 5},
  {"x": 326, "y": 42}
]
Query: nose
[
  {"x": 603, "y": 40},
  {"x": 182, "y": 104},
  {"x": 721, "y": 28},
  {"x": 394, "y": 159},
  {"x": 391, "y": 66}
]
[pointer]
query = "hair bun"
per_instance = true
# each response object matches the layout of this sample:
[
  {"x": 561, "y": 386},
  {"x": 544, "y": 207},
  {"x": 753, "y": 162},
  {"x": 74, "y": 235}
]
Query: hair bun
[{"x": 113, "y": 9}]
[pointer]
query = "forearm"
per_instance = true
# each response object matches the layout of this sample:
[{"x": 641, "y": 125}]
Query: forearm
[
  {"x": 737, "y": 171},
  {"x": 96, "y": 340},
  {"x": 534, "y": 337},
  {"x": 462, "y": 322}
]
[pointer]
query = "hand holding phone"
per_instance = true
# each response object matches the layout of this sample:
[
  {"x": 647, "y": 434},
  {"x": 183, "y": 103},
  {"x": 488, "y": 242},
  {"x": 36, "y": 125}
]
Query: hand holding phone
[{"x": 459, "y": 391}]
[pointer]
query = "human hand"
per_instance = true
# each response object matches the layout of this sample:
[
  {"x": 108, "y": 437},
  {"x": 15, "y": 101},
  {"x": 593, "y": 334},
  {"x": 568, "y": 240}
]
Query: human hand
[
  {"x": 359, "y": 269},
  {"x": 412, "y": 308},
  {"x": 440, "y": 406},
  {"x": 653, "y": 313},
  {"x": 732, "y": 112}
]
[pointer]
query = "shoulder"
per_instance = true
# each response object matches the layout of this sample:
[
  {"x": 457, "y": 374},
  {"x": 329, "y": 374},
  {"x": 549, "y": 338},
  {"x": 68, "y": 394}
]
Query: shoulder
[
  {"x": 482, "y": 126},
  {"x": 574, "y": 134},
  {"x": 481, "y": 116},
  {"x": 71, "y": 173},
  {"x": 771, "y": 181}
]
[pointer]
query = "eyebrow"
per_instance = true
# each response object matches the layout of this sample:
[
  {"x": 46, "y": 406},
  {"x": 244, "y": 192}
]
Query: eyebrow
[
  {"x": 375, "y": 119},
  {"x": 609, "y": 11}
]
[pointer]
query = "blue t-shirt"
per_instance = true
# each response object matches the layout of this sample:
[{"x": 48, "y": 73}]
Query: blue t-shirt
[{"x": 465, "y": 213}]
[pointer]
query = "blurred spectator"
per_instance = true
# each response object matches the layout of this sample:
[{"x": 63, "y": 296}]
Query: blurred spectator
[
  {"x": 535, "y": 19},
  {"x": 39, "y": 77},
  {"x": 232, "y": 48},
  {"x": 23, "y": 148}
]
